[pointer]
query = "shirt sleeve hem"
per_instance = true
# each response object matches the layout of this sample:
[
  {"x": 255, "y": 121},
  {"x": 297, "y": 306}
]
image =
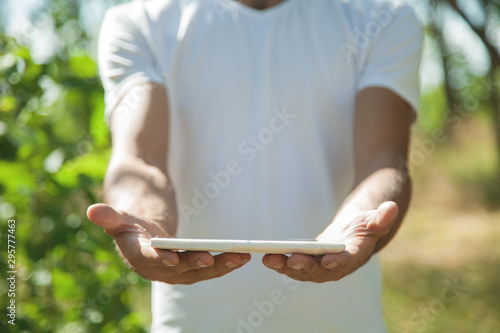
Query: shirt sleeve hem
[
  {"x": 412, "y": 98},
  {"x": 112, "y": 100}
]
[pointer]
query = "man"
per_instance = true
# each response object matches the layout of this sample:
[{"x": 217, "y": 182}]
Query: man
[{"x": 259, "y": 120}]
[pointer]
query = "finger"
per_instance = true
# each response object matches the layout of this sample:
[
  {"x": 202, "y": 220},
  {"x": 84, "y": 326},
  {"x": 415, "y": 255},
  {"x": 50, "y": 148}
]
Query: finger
[
  {"x": 275, "y": 261},
  {"x": 231, "y": 260},
  {"x": 139, "y": 252},
  {"x": 218, "y": 269},
  {"x": 305, "y": 263},
  {"x": 105, "y": 216},
  {"x": 189, "y": 260},
  {"x": 228, "y": 261},
  {"x": 278, "y": 263},
  {"x": 346, "y": 261},
  {"x": 168, "y": 258},
  {"x": 387, "y": 213},
  {"x": 292, "y": 273}
]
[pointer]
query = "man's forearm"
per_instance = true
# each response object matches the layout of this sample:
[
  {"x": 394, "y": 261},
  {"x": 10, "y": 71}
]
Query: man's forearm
[
  {"x": 387, "y": 184},
  {"x": 141, "y": 189}
]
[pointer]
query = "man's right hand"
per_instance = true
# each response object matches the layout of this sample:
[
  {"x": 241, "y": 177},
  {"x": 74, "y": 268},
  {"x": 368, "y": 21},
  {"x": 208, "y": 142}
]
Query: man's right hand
[{"x": 132, "y": 235}]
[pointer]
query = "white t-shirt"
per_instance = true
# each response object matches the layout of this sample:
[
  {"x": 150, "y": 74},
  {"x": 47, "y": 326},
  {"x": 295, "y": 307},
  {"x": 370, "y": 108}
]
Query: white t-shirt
[{"x": 261, "y": 132}]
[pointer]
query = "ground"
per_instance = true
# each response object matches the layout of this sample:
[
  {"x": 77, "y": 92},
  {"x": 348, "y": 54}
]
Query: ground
[{"x": 441, "y": 272}]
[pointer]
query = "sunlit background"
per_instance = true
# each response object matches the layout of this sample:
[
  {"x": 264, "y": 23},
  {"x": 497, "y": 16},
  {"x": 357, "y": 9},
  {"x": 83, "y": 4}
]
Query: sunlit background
[{"x": 441, "y": 271}]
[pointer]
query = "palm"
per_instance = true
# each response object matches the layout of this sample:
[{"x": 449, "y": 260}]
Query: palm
[{"x": 358, "y": 231}]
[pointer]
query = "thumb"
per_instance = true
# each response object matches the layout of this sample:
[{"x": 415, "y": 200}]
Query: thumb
[
  {"x": 386, "y": 215},
  {"x": 105, "y": 216}
]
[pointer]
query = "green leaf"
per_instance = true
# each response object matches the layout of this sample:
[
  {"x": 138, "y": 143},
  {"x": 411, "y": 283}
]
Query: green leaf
[
  {"x": 83, "y": 66},
  {"x": 8, "y": 103},
  {"x": 14, "y": 174},
  {"x": 92, "y": 165},
  {"x": 65, "y": 285}
]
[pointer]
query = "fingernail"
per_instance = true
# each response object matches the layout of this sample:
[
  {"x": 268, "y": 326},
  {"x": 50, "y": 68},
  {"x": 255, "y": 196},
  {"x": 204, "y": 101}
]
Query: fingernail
[
  {"x": 332, "y": 265},
  {"x": 166, "y": 263},
  {"x": 278, "y": 265},
  {"x": 201, "y": 263},
  {"x": 300, "y": 265},
  {"x": 230, "y": 264}
]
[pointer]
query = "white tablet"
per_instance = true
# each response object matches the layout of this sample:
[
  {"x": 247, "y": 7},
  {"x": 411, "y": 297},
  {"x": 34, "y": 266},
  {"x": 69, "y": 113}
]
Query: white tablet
[{"x": 247, "y": 246}]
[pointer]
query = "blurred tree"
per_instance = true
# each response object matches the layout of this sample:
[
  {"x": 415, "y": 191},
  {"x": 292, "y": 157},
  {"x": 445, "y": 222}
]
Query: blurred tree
[
  {"x": 483, "y": 18},
  {"x": 54, "y": 149}
]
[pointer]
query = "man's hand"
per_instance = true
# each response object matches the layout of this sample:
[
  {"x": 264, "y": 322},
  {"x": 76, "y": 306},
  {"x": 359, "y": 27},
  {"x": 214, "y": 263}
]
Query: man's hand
[
  {"x": 132, "y": 235},
  {"x": 358, "y": 230},
  {"x": 381, "y": 135},
  {"x": 137, "y": 181}
]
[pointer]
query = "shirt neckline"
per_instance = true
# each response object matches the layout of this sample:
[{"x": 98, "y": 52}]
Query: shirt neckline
[{"x": 262, "y": 13}]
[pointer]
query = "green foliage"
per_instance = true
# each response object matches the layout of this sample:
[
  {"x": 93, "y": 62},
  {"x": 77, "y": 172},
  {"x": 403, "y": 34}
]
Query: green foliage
[{"x": 54, "y": 148}]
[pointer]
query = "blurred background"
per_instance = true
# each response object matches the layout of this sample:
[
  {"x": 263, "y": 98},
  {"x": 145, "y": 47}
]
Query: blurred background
[{"x": 441, "y": 272}]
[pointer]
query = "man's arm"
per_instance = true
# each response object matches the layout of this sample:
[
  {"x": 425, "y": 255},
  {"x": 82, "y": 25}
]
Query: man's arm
[
  {"x": 141, "y": 198},
  {"x": 370, "y": 216}
]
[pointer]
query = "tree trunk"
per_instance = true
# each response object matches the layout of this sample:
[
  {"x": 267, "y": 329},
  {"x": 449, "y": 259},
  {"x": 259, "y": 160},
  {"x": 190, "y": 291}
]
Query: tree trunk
[
  {"x": 495, "y": 115},
  {"x": 494, "y": 55}
]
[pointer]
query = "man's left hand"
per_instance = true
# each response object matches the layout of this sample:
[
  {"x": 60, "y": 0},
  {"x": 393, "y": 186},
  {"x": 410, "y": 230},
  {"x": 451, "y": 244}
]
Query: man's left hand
[{"x": 359, "y": 230}]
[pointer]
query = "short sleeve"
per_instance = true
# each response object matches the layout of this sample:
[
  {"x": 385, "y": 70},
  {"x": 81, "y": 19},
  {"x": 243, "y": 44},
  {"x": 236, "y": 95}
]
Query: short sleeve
[
  {"x": 124, "y": 56},
  {"x": 393, "y": 58}
]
